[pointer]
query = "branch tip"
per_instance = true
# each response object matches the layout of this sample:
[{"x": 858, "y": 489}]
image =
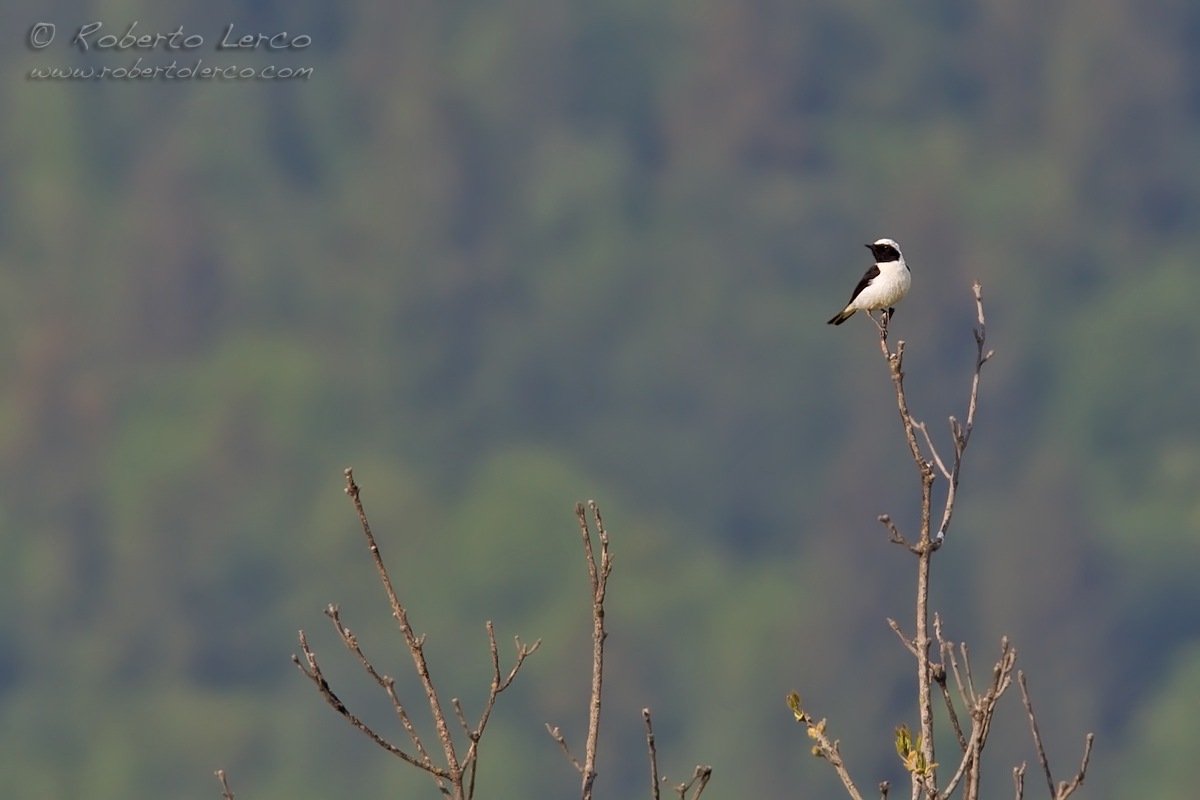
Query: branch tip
[{"x": 226, "y": 792}]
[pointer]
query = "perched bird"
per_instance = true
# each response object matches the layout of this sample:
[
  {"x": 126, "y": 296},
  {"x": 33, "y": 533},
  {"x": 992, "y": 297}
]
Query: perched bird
[{"x": 882, "y": 286}]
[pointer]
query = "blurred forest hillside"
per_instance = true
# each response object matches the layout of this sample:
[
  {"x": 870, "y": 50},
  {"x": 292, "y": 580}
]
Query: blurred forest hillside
[{"x": 502, "y": 257}]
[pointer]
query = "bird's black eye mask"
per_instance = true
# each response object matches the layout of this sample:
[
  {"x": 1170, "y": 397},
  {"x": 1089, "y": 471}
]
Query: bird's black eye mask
[{"x": 884, "y": 253}]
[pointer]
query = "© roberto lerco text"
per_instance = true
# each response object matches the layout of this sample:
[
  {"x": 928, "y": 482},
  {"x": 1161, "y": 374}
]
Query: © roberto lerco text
[{"x": 89, "y": 37}]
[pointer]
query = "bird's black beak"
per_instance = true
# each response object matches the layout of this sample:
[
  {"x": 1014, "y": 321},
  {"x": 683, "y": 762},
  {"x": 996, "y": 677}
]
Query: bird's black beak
[{"x": 870, "y": 247}]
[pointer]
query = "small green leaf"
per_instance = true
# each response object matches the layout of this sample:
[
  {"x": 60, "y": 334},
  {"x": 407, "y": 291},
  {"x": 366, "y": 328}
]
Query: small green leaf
[
  {"x": 793, "y": 702},
  {"x": 903, "y": 741}
]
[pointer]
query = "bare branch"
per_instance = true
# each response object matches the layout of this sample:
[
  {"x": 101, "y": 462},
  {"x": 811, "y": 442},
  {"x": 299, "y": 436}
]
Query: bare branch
[
  {"x": 556, "y": 734},
  {"x": 894, "y": 534},
  {"x": 498, "y": 686},
  {"x": 388, "y": 684},
  {"x": 1066, "y": 789},
  {"x": 924, "y": 550},
  {"x": 599, "y": 575},
  {"x": 462, "y": 720},
  {"x": 1063, "y": 789},
  {"x": 653, "y": 754},
  {"x": 1037, "y": 737},
  {"x": 523, "y": 651},
  {"x": 896, "y": 627},
  {"x": 883, "y": 790},
  {"x": 823, "y": 748},
  {"x": 226, "y": 792},
  {"x": 970, "y": 755},
  {"x": 702, "y": 774},
  {"x": 313, "y": 673},
  {"x": 939, "y": 676},
  {"x": 415, "y": 644},
  {"x": 966, "y": 656},
  {"x": 933, "y": 450},
  {"x": 979, "y": 701},
  {"x": 456, "y": 770},
  {"x": 473, "y": 767},
  {"x": 922, "y": 642},
  {"x": 963, "y": 691},
  {"x": 1019, "y": 781},
  {"x": 982, "y": 710},
  {"x": 895, "y": 364},
  {"x": 961, "y": 435}
]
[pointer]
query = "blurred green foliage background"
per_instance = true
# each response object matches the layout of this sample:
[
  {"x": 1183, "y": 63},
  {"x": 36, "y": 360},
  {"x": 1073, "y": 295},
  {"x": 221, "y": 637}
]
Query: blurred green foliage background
[{"x": 501, "y": 257}]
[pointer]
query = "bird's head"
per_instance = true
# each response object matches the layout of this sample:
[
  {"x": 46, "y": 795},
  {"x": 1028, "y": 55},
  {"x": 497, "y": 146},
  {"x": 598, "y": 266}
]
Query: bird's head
[{"x": 885, "y": 250}]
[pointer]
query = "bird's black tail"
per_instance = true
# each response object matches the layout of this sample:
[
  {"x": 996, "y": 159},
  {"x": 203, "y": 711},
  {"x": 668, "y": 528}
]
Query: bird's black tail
[{"x": 842, "y": 317}]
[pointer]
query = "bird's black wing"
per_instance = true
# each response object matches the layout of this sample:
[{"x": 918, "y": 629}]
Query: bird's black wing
[{"x": 871, "y": 275}]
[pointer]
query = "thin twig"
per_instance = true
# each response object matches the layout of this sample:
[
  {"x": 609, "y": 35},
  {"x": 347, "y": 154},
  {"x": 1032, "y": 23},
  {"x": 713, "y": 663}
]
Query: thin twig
[
  {"x": 458, "y": 712},
  {"x": 933, "y": 450},
  {"x": 455, "y": 770},
  {"x": 895, "y": 364},
  {"x": 958, "y": 679},
  {"x": 226, "y": 792},
  {"x": 702, "y": 774},
  {"x": 557, "y": 736},
  {"x": 599, "y": 575},
  {"x": 896, "y": 627},
  {"x": 313, "y": 673},
  {"x": 1001, "y": 680},
  {"x": 823, "y": 748},
  {"x": 598, "y": 572},
  {"x": 1037, "y": 737},
  {"x": 653, "y": 754},
  {"x": 970, "y": 755},
  {"x": 1019, "y": 781},
  {"x": 894, "y": 534},
  {"x": 883, "y": 790},
  {"x": 1066, "y": 789},
  {"x": 960, "y": 434},
  {"x": 473, "y": 766},
  {"x": 982, "y": 713},
  {"x": 939, "y": 676},
  {"x": 498, "y": 686},
  {"x": 415, "y": 644},
  {"x": 388, "y": 684},
  {"x": 966, "y": 656}
]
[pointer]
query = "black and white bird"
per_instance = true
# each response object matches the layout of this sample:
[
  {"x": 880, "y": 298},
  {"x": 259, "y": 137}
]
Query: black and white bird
[{"x": 883, "y": 285}]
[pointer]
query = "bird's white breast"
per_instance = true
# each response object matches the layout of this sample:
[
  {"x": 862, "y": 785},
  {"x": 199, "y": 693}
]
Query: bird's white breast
[{"x": 891, "y": 284}]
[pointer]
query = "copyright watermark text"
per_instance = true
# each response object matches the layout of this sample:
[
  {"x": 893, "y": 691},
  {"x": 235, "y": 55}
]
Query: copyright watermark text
[
  {"x": 173, "y": 71},
  {"x": 93, "y": 38}
]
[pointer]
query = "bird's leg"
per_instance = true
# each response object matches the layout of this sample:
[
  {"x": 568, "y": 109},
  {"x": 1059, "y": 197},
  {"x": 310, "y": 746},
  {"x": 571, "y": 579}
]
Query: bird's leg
[
  {"x": 885, "y": 316},
  {"x": 881, "y": 324}
]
